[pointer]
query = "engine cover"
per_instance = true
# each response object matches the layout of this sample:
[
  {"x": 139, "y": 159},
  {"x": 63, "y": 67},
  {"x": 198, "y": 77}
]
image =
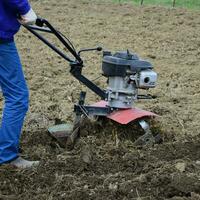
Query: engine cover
[{"x": 122, "y": 63}]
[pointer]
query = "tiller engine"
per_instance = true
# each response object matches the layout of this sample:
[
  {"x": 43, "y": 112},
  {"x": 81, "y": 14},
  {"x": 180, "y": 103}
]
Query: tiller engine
[{"x": 126, "y": 74}]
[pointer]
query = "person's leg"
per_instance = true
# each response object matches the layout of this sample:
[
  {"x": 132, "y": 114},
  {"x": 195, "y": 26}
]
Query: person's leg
[{"x": 16, "y": 96}]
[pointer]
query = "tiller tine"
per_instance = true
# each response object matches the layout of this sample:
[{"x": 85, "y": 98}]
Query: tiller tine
[
  {"x": 125, "y": 116},
  {"x": 146, "y": 139}
]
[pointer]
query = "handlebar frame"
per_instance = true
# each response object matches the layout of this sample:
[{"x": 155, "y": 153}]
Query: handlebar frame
[{"x": 76, "y": 64}]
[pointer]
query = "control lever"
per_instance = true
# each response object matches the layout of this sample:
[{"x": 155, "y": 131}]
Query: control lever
[{"x": 90, "y": 49}]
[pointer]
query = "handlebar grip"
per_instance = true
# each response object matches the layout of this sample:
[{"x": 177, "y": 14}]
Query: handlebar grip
[
  {"x": 99, "y": 48},
  {"x": 39, "y": 22}
]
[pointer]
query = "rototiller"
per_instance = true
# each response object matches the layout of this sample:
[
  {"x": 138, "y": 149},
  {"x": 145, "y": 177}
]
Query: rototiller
[{"x": 126, "y": 74}]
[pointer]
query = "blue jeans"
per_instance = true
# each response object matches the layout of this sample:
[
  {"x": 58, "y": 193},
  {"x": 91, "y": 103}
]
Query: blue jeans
[{"x": 16, "y": 97}]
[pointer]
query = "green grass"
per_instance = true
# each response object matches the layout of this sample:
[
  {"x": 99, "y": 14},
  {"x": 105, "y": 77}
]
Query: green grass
[{"x": 191, "y": 4}]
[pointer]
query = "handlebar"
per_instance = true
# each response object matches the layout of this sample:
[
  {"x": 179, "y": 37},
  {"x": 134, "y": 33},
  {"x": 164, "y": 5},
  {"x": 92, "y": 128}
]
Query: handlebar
[
  {"x": 44, "y": 26},
  {"x": 40, "y": 23},
  {"x": 76, "y": 64}
]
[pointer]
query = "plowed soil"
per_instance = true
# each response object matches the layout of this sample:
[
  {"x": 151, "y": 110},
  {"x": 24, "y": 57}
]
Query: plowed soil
[{"x": 105, "y": 164}]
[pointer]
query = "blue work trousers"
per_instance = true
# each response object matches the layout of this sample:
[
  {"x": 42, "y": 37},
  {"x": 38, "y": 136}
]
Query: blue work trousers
[{"x": 16, "y": 95}]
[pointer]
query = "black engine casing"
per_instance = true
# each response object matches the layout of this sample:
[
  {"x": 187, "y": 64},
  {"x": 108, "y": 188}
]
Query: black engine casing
[{"x": 123, "y": 62}]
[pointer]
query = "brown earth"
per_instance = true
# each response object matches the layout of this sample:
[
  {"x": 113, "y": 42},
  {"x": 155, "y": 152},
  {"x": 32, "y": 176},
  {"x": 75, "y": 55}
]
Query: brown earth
[{"x": 105, "y": 164}]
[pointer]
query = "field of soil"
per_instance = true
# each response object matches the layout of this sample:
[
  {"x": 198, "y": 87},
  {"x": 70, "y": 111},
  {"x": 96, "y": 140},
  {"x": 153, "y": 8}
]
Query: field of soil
[{"x": 105, "y": 164}]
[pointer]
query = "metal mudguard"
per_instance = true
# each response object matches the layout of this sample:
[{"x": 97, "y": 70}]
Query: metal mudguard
[{"x": 125, "y": 116}]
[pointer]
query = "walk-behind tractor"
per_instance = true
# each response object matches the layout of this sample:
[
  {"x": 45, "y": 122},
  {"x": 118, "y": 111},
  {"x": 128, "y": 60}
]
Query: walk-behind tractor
[{"x": 126, "y": 73}]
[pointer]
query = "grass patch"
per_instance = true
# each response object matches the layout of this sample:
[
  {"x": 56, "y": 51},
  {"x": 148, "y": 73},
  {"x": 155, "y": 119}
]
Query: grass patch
[{"x": 191, "y": 4}]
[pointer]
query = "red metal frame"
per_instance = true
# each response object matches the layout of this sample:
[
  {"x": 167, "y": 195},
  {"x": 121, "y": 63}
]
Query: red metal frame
[{"x": 125, "y": 116}]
